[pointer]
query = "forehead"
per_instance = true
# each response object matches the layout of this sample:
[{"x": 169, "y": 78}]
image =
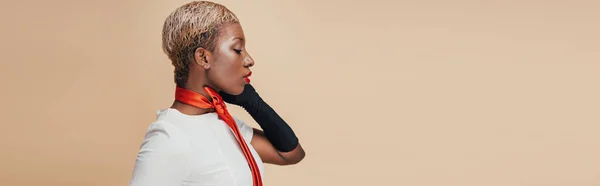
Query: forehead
[{"x": 231, "y": 31}]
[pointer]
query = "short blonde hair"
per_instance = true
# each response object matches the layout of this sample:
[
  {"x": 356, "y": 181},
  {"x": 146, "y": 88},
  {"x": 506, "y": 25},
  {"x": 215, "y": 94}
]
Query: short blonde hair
[{"x": 193, "y": 25}]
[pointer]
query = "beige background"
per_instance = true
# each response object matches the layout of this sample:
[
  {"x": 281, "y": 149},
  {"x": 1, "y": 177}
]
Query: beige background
[{"x": 419, "y": 93}]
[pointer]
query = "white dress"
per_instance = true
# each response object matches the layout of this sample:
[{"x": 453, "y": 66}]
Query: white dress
[{"x": 180, "y": 149}]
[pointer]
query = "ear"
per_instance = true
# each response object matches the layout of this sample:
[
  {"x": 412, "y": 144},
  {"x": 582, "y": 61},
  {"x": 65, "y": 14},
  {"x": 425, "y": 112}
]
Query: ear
[{"x": 201, "y": 57}]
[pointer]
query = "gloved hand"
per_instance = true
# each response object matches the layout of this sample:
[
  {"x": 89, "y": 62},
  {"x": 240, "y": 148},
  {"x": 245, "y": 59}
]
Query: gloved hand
[
  {"x": 246, "y": 97},
  {"x": 277, "y": 131}
]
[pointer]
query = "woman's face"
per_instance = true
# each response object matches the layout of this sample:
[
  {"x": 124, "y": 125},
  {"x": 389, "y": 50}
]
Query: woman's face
[{"x": 229, "y": 62}]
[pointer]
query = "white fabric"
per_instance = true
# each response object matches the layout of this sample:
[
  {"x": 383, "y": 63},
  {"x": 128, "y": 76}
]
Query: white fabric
[{"x": 180, "y": 150}]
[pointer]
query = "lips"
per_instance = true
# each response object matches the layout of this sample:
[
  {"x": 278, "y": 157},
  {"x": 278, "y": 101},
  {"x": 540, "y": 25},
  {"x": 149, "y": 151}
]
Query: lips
[{"x": 246, "y": 78}]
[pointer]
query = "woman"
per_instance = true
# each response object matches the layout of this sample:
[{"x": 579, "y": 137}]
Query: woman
[{"x": 196, "y": 141}]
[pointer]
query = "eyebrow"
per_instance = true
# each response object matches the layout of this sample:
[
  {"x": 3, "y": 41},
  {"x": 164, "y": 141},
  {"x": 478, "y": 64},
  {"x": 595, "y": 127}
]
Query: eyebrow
[{"x": 238, "y": 38}]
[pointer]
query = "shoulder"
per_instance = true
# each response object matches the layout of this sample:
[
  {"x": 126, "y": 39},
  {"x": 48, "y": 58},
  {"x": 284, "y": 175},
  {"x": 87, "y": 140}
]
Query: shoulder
[
  {"x": 163, "y": 136},
  {"x": 246, "y": 130},
  {"x": 239, "y": 121}
]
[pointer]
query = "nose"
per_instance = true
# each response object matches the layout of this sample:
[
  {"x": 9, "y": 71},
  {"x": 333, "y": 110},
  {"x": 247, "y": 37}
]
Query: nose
[{"x": 248, "y": 61}]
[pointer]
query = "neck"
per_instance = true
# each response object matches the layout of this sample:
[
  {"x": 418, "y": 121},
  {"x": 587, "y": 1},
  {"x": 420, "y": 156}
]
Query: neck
[{"x": 189, "y": 109}]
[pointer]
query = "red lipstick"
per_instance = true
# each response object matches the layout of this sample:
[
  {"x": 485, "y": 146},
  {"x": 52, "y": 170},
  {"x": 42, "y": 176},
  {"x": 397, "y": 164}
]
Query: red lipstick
[{"x": 246, "y": 77}]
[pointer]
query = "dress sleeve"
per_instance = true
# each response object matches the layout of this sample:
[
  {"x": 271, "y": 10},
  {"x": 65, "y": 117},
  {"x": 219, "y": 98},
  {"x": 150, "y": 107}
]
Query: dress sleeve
[
  {"x": 246, "y": 130},
  {"x": 163, "y": 158}
]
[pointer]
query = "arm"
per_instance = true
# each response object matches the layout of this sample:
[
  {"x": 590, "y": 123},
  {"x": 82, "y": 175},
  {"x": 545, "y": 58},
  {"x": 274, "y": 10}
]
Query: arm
[
  {"x": 269, "y": 154},
  {"x": 276, "y": 143},
  {"x": 163, "y": 158},
  {"x": 265, "y": 149}
]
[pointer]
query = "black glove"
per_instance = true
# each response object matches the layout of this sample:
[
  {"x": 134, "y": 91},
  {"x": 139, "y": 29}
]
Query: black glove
[{"x": 276, "y": 130}]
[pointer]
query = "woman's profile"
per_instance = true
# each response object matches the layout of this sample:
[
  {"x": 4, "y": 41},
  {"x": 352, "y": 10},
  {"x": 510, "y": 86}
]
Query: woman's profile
[{"x": 196, "y": 141}]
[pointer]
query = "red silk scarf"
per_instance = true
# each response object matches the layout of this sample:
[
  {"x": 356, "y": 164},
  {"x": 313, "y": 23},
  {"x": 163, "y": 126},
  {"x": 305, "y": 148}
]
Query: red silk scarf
[{"x": 198, "y": 100}]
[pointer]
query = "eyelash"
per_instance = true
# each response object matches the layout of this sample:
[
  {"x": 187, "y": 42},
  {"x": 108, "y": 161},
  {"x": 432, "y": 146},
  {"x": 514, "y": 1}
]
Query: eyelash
[{"x": 237, "y": 51}]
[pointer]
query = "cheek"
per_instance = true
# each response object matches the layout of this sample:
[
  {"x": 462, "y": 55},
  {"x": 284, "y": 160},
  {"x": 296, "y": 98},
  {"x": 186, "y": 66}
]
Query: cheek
[
  {"x": 226, "y": 72},
  {"x": 228, "y": 79}
]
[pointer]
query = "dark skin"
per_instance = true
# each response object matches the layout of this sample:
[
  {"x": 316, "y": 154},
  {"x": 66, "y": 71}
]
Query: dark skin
[{"x": 224, "y": 69}]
